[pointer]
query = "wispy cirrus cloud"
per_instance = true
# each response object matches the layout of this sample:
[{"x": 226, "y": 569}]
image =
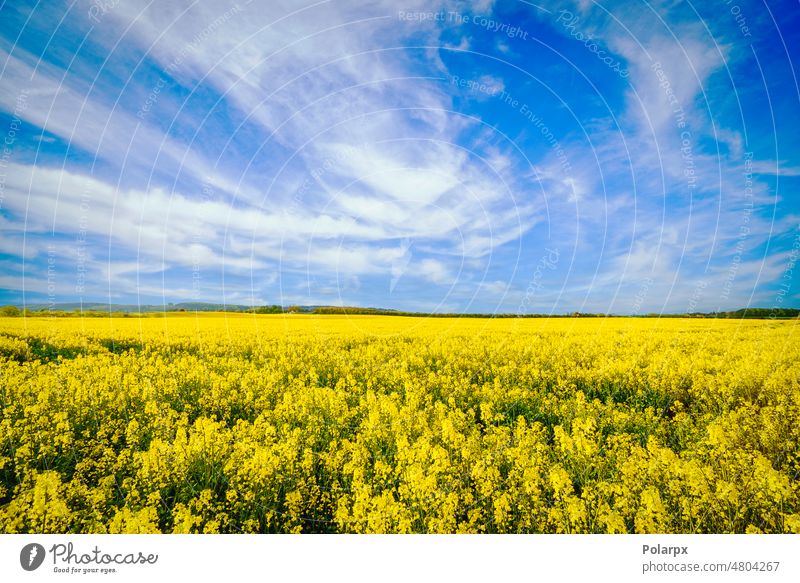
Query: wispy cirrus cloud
[{"x": 300, "y": 149}]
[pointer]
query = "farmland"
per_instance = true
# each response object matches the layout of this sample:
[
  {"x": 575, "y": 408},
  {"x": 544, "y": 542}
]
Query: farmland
[{"x": 235, "y": 423}]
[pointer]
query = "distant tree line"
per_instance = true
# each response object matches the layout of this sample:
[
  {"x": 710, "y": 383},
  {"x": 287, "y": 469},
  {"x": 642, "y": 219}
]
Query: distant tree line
[
  {"x": 772, "y": 313},
  {"x": 120, "y": 311}
]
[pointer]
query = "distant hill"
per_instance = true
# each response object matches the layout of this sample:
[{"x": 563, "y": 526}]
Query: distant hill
[
  {"x": 144, "y": 308},
  {"x": 100, "y": 309}
]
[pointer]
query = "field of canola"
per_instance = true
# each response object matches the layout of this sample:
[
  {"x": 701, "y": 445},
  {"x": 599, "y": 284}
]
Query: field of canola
[{"x": 242, "y": 423}]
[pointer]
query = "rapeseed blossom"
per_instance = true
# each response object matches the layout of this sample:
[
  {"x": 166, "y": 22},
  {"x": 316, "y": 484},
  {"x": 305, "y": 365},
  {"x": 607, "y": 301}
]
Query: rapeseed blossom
[{"x": 241, "y": 423}]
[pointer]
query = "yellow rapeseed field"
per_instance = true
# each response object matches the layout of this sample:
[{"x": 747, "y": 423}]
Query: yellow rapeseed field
[{"x": 241, "y": 423}]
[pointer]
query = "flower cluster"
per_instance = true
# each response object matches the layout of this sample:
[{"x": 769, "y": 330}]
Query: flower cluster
[{"x": 243, "y": 423}]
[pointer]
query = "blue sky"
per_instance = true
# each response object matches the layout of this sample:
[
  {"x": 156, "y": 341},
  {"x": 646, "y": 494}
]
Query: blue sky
[{"x": 620, "y": 157}]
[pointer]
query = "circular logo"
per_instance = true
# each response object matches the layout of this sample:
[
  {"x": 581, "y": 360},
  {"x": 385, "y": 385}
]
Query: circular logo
[{"x": 31, "y": 556}]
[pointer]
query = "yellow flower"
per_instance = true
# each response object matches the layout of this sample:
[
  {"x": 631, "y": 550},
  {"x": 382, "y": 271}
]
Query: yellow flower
[{"x": 243, "y": 423}]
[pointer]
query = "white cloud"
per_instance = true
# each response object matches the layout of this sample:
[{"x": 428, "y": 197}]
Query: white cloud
[
  {"x": 434, "y": 271},
  {"x": 340, "y": 156}
]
